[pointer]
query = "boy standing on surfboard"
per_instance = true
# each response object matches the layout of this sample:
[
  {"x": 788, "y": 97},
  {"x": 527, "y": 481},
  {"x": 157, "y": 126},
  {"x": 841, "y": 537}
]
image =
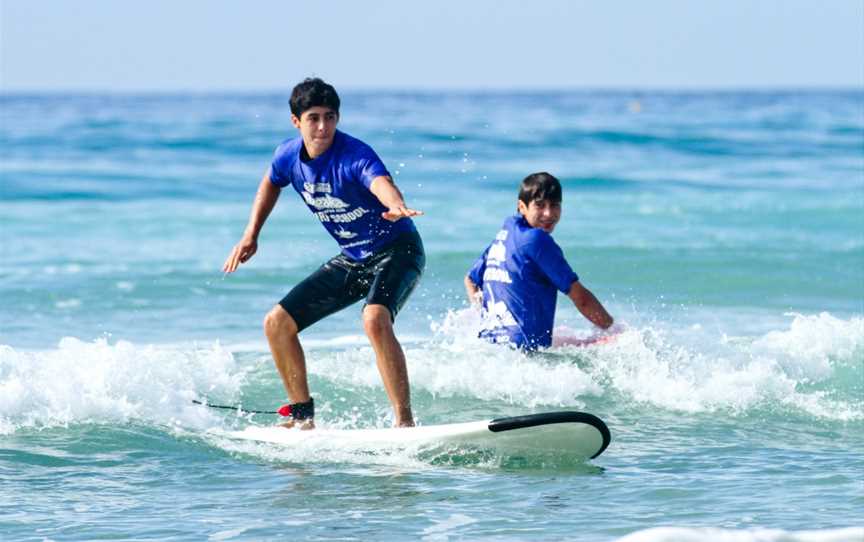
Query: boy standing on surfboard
[
  {"x": 347, "y": 187},
  {"x": 517, "y": 277}
]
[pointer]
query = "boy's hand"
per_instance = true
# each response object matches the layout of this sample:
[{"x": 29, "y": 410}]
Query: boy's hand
[
  {"x": 241, "y": 253},
  {"x": 395, "y": 213}
]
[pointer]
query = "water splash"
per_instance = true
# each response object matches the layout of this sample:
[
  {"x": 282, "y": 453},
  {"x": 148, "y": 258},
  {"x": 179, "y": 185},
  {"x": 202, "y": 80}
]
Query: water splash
[
  {"x": 813, "y": 368},
  {"x": 100, "y": 382}
]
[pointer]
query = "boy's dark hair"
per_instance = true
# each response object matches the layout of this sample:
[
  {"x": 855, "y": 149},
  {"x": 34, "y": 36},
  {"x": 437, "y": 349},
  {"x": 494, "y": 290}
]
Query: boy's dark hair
[
  {"x": 540, "y": 187},
  {"x": 313, "y": 92}
]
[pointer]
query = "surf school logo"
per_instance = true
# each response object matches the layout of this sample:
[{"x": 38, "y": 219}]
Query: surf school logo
[
  {"x": 342, "y": 233},
  {"x": 500, "y": 315},
  {"x": 495, "y": 313},
  {"x": 497, "y": 253},
  {"x": 323, "y": 187},
  {"x": 496, "y": 274},
  {"x": 324, "y": 202},
  {"x": 350, "y": 216}
]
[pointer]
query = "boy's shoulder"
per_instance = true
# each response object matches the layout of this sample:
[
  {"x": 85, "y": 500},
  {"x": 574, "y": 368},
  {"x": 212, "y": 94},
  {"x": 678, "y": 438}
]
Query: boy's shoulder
[
  {"x": 518, "y": 227},
  {"x": 532, "y": 242},
  {"x": 290, "y": 148},
  {"x": 349, "y": 145}
]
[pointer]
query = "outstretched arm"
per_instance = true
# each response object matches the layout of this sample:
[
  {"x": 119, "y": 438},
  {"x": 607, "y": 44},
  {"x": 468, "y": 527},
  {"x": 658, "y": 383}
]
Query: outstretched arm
[
  {"x": 385, "y": 190},
  {"x": 265, "y": 199},
  {"x": 589, "y": 306}
]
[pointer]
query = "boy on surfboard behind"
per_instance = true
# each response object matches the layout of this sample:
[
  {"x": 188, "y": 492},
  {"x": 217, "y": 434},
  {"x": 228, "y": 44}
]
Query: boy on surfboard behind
[
  {"x": 517, "y": 277},
  {"x": 347, "y": 187}
]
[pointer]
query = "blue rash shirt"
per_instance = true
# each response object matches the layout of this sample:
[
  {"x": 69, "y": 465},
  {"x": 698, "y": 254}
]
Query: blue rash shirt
[
  {"x": 520, "y": 274},
  {"x": 335, "y": 187}
]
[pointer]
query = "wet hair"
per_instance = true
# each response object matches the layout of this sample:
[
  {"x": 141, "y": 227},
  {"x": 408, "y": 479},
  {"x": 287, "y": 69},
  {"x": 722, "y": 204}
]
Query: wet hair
[
  {"x": 540, "y": 187},
  {"x": 313, "y": 92}
]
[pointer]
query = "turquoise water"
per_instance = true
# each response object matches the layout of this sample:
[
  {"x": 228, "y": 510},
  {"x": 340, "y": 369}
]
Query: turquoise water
[{"x": 725, "y": 230}]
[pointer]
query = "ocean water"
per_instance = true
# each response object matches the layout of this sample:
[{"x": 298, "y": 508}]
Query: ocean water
[{"x": 724, "y": 230}]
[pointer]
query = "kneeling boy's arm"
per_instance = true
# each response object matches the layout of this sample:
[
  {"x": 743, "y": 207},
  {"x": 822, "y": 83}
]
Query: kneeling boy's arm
[
  {"x": 475, "y": 295},
  {"x": 589, "y": 306}
]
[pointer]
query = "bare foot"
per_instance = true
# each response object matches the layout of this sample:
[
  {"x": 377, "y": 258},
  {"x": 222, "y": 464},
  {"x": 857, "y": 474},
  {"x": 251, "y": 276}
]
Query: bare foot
[
  {"x": 303, "y": 425},
  {"x": 409, "y": 423}
]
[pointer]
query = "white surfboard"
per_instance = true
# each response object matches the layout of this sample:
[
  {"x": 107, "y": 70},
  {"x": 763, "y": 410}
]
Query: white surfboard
[{"x": 576, "y": 435}]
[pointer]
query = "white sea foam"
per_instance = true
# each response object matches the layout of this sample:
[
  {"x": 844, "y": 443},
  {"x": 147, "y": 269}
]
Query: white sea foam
[
  {"x": 100, "y": 382},
  {"x": 477, "y": 369},
  {"x": 776, "y": 370},
  {"x": 799, "y": 370},
  {"x": 685, "y": 534},
  {"x": 810, "y": 344},
  {"x": 793, "y": 370}
]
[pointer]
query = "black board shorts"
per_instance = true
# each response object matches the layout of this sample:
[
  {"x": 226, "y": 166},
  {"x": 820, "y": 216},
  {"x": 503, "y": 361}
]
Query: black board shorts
[{"x": 386, "y": 278}]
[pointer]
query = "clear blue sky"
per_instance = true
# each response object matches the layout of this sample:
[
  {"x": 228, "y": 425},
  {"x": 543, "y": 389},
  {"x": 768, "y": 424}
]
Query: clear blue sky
[{"x": 215, "y": 45}]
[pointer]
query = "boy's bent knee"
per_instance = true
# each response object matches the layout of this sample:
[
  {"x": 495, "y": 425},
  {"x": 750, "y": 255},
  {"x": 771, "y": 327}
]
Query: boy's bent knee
[
  {"x": 279, "y": 322},
  {"x": 377, "y": 320}
]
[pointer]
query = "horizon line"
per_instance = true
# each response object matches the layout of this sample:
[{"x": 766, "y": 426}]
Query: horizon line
[{"x": 433, "y": 90}]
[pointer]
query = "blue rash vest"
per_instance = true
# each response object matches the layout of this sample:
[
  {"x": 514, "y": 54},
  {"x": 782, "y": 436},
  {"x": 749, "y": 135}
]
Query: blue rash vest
[
  {"x": 521, "y": 273},
  {"x": 335, "y": 187}
]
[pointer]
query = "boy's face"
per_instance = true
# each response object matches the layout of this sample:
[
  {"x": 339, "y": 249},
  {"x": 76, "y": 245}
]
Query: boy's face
[
  {"x": 317, "y": 126},
  {"x": 543, "y": 214}
]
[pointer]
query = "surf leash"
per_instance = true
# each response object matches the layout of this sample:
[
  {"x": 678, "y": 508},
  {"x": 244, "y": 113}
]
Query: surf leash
[
  {"x": 284, "y": 410},
  {"x": 298, "y": 411}
]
